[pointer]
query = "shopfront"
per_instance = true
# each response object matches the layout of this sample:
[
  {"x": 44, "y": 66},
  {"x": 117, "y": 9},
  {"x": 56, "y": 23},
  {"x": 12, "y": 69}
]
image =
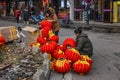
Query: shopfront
[
  {"x": 103, "y": 11},
  {"x": 78, "y": 10},
  {"x": 107, "y": 10},
  {"x": 98, "y": 11}
]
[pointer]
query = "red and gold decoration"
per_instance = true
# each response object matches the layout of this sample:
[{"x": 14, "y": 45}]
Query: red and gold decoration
[
  {"x": 45, "y": 23},
  {"x": 86, "y": 58},
  {"x": 45, "y": 32},
  {"x": 48, "y": 47},
  {"x": 60, "y": 47},
  {"x": 69, "y": 42},
  {"x": 41, "y": 40},
  {"x": 72, "y": 54},
  {"x": 82, "y": 67},
  {"x": 62, "y": 65},
  {"x": 54, "y": 38},
  {"x": 61, "y": 56},
  {"x": 58, "y": 54}
]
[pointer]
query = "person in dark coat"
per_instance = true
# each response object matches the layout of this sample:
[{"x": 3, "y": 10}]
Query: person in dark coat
[
  {"x": 26, "y": 16},
  {"x": 84, "y": 45}
]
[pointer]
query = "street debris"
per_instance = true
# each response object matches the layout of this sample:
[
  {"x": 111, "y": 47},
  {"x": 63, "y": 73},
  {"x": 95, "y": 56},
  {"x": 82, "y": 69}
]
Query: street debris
[{"x": 19, "y": 62}]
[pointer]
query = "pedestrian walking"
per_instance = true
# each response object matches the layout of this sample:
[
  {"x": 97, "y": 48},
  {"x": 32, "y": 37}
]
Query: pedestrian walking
[
  {"x": 84, "y": 45},
  {"x": 26, "y": 16},
  {"x": 17, "y": 15}
]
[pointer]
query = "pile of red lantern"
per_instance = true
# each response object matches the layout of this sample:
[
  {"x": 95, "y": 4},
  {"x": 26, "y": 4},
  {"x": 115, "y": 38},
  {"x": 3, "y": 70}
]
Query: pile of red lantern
[{"x": 63, "y": 59}]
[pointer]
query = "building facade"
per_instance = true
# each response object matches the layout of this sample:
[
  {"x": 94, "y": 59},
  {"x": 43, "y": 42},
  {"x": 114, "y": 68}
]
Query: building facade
[
  {"x": 7, "y": 5},
  {"x": 107, "y": 11}
]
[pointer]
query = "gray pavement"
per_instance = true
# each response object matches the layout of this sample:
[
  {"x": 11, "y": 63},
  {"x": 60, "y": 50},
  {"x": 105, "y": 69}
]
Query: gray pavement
[{"x": 106, "y": 58}]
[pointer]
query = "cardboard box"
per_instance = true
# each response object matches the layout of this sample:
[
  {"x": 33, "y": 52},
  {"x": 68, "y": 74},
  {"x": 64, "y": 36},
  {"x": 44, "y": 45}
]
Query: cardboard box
[
  {"x": 32, "y": 34},
  {"x": 9, "y": 33}
]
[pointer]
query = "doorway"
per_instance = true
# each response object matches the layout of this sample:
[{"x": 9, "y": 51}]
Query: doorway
[{"x": 118, "y": 13}]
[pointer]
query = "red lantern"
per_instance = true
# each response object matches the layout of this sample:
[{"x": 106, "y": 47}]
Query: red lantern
[
  {"x": 72, "y": 54},
  {"x": 53, "y": 43},
  {"x": 45, "y": 23},
  {"x": 48, "y": 47},
  {"x": 86, "y": 58},
  {"x": 2, "y": 41},
  {"x": 62, "y": 65},
  {"x": 41, "y": 40},
  {"x": 82, "y": 67},
  {"x": 58, "y": 54},
  {"x": 69, "y": 41},
  {"x": 45, "y": 32},
  {"x": 60, "y": 47},
  {"x": 54, "y": 38}
]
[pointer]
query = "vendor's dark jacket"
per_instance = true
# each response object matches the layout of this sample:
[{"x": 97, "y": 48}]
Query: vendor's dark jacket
[{"x": 84, "y": 45}]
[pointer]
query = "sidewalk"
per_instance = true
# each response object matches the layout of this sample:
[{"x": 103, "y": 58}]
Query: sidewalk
[
  {"x": 99, "y": 23},
  {"x": 109, "y": 27}
]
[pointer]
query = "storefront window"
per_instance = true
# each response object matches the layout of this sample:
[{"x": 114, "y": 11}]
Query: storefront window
[{"x": 78, "y": 9}]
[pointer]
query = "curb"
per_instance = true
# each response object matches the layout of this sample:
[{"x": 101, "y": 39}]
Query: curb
[{"x": 44, "y": 73}]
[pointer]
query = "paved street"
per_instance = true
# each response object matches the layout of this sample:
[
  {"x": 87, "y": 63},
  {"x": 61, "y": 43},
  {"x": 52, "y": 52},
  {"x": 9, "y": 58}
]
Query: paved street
[{"x": 106, "y": 58}]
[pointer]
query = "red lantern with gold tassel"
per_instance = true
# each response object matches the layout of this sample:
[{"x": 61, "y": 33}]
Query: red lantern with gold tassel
[
  {"x": 72, "y": 54},
  {"x": 45, "y": 32},
  {"x": 48, "y": 47},
  {"x": 62, "y": 65},
  {"x": 60, "y": 47},
  {"x": 45, "y": 23},
  {"x": 86, "y": 58},
  {"x": 69, "y": 41},
  {"x": 41, "y": 40},
  {"x": 58, "y": 54},
  {"x": 54, "y": 38},
  {"x": 82, "y": 67}
]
